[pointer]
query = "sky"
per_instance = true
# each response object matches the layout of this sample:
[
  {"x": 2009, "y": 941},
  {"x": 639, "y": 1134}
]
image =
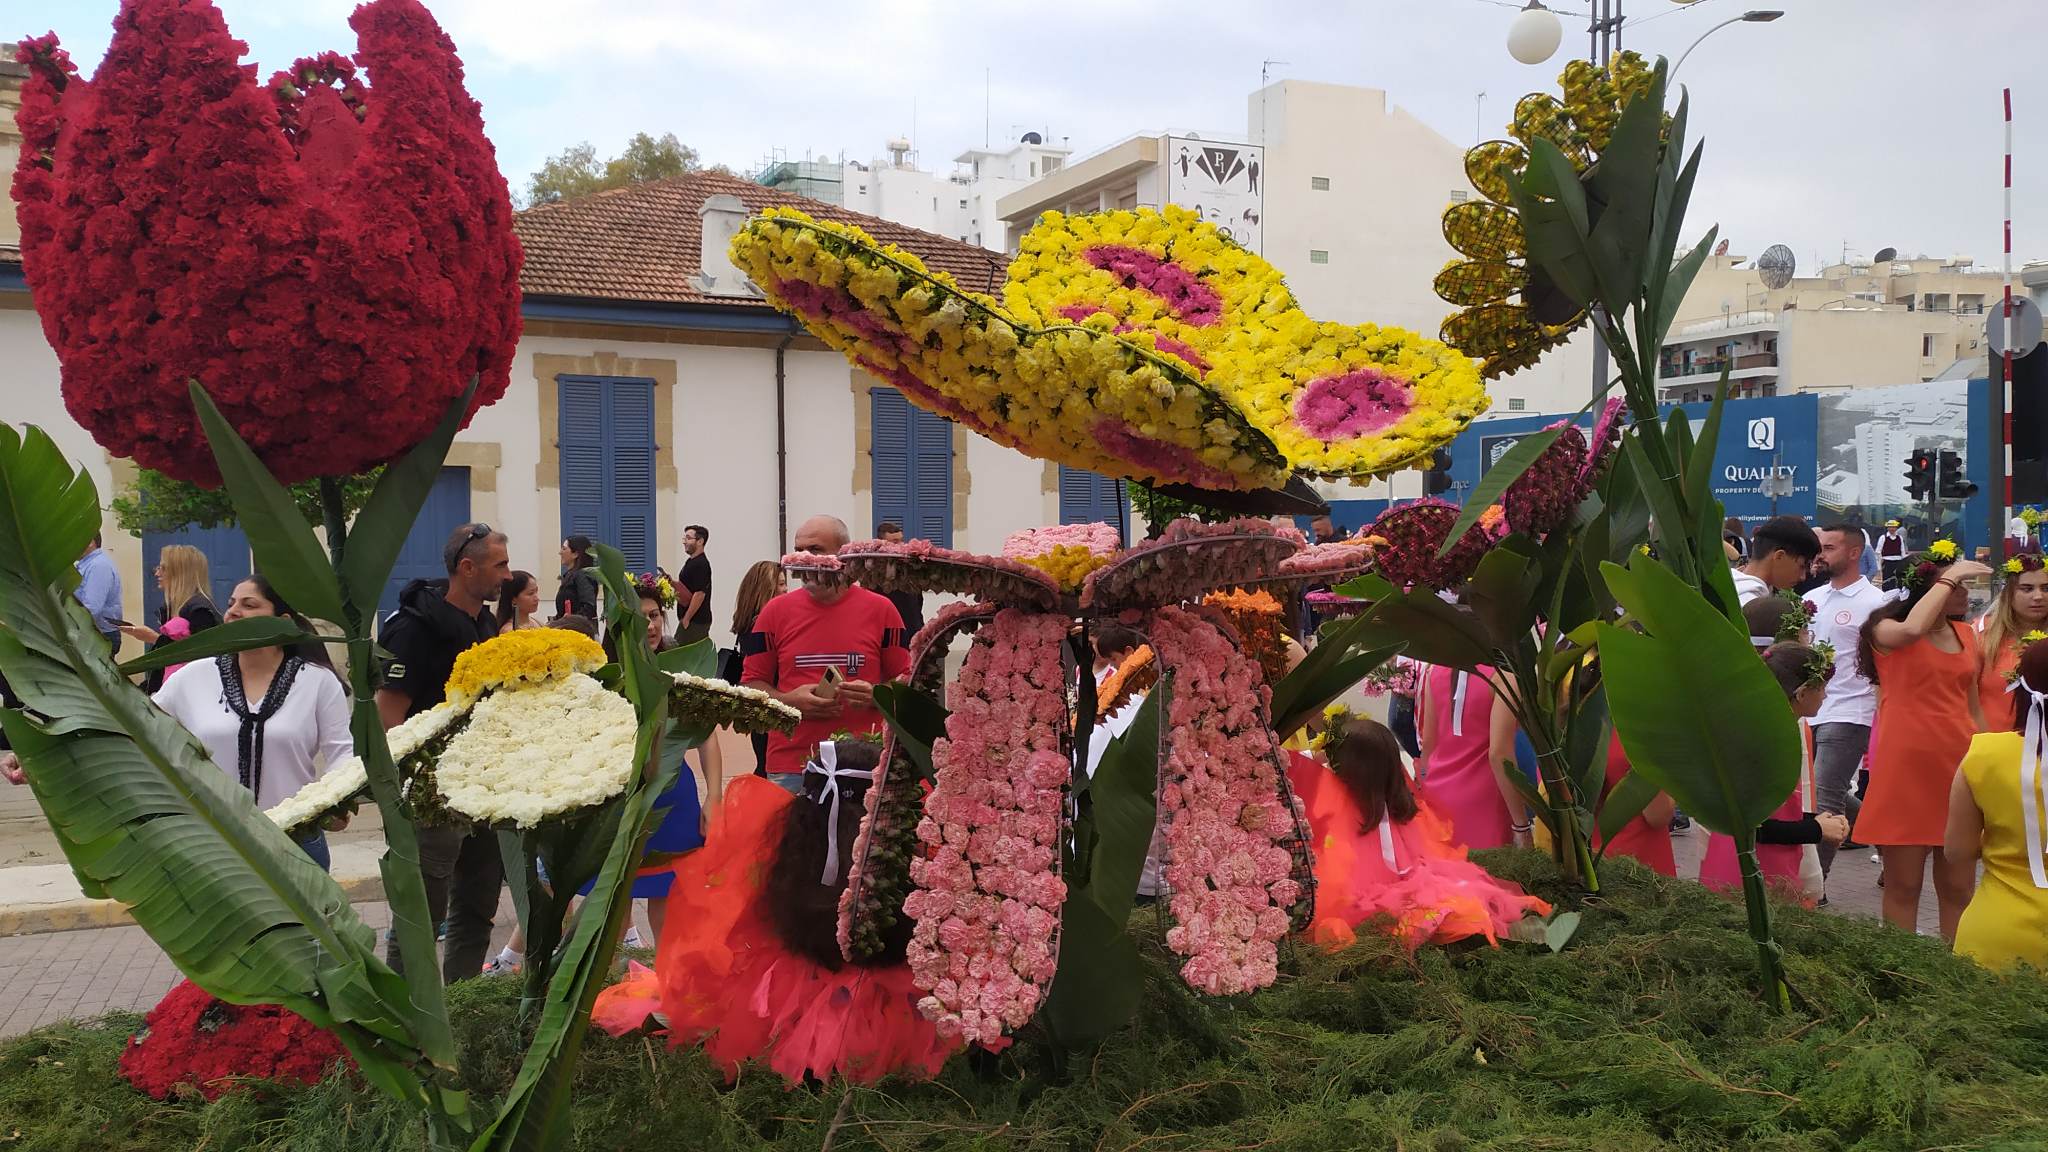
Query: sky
[{"x": 1847, "y": 124}]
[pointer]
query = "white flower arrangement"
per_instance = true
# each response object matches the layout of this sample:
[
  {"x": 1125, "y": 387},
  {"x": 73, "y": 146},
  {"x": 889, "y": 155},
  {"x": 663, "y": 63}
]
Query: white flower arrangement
[
  {"x": 340, "y": 786},
  {"x": 698, "y": 700},
  {"x": 532, "y": 753}
]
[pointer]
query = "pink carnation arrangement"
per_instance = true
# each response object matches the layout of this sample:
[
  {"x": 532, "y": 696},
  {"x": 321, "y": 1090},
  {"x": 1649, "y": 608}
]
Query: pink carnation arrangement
[
  {"x": 1230, "y": 821},
  {"x": 810, "y": 562},
  {"x": 989, "y": 892},
  {"x": 1189, "y": 560},
  {"x": 1097, "y": 539},
  {"x": 921, "y": 566},
  {"x": 878, "y": 876},
  {"x": 1320, "y": 561},
  {"x": 1543, "y": 498}
]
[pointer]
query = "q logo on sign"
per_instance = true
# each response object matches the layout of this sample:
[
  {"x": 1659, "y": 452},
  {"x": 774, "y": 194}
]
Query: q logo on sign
[{"x": 1763, "y": 433}]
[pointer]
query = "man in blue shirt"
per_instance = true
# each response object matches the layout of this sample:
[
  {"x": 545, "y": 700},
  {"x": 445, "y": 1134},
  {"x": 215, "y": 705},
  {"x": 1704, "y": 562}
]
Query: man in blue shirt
[{"x": 99, "y": 589}]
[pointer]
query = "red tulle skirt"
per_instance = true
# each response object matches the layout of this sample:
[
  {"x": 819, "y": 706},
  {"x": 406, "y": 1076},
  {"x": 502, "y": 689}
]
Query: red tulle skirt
[
  {"x": 1414, "y": 872},
  {"x": 724, "y": 979}
]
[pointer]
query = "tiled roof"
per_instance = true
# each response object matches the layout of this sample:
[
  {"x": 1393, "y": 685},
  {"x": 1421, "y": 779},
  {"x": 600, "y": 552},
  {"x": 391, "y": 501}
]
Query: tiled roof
[
  {"x": 10, "y": 254},
  {"x": 642, "y": 243}
]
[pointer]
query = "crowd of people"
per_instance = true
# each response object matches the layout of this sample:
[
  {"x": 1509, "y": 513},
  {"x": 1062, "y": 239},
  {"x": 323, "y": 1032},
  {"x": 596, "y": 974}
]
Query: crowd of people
[{"x": 1921, "y": 723}]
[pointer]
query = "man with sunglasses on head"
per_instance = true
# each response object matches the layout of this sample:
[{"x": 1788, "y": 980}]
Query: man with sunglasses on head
[
  {"x": 821, "y": 648},
  {"x": 437, "y": 620}
]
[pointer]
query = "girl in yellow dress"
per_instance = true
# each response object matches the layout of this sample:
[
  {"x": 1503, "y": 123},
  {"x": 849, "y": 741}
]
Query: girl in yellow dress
[{"x": 1995, "y": 810}]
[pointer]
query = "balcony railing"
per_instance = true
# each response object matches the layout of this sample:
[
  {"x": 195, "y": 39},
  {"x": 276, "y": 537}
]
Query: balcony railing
[{"x": 1673, "y": 369}]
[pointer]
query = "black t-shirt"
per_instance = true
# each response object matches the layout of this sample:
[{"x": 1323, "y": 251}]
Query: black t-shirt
[
  {"x": 424, "y": 639},
  {"x": 696, "y": 577},
  {"x": 910, "y": 606}
]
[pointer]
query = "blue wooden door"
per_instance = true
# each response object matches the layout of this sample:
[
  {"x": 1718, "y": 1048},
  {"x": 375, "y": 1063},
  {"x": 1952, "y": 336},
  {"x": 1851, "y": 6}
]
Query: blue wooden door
[
  {"x": 1092, "y": 498},
  {"x": 606, "y": 447},
  {"x": 912, "y": 456},
  {"x": 419, "y": 558},
  {"x": 227, "y": 563}
]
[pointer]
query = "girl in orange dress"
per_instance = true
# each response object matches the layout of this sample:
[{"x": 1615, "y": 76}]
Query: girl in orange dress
[
  {"x": 1923, "y": 659},
  {"x": 1381, "y": 851},
  {"x": 2021, "y": 607}
]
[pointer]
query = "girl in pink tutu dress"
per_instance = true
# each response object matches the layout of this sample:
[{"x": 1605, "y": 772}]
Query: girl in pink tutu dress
[
  {"x": 1382, "y": 852},
  {"x": 1467, "y": 736}
]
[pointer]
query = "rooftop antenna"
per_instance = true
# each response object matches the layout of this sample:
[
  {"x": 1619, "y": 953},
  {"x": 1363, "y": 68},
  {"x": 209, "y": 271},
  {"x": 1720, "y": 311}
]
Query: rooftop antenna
[{"x": 1265, "y": 76}]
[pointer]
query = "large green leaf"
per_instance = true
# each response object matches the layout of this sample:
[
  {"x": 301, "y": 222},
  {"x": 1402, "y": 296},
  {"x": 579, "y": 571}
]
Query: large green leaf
[
  {"x": 287, "y": 552},
  {"x": 1728, "y": 765},
  {"x": 1327, "y": 672},
  {"x": 386, "y": 520},
  {"x": 1682, "y": 275},
  {"x": 144, "y": 817},
  {"x": 1624, "y": 182},
  {"x": 535, "y": 1115},
  {"x": 1623, "y": 803},
  {"x": 1505, "y": 471},
  {"x": 1503, "y": 592},
  {"x": 233, "y": 636},
  {"x": 1561, "y": 251},
  {"x": 1552, "y": 177},
  {"x": 1668, "y": 523},
  {"x": 1100, "y": 979},
  {"x": 916, "y": 717},
  {"x": 1432, "y": 631},
  {"x": 699, "y": 658}
]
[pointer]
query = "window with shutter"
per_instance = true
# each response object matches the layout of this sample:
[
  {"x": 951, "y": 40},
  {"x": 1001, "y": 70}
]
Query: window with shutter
[
  {"x": 607, "y": 464},
  {"x": 227, "y": 562},
  {"x": 419, "y": 557},
  {"x": 1092, "y": 498},
  {"x": 912, "y": 467}
]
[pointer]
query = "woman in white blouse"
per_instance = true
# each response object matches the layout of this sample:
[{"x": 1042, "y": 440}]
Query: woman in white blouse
[{"x": 272, "y": 719}]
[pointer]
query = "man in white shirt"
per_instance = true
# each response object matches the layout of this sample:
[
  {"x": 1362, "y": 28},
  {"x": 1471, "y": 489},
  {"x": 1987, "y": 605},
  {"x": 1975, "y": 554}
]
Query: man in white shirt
[
  {"x": 1891, "y": 553},
  {"x": 1841, "y": 729},
  {"x": 1781, "y": 551}
]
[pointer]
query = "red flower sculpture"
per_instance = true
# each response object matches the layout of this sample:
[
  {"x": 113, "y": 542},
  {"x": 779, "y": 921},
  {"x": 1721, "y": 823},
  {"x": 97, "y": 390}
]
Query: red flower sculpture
[
  {"x": 192, "y": 1038},
  {"x": 332, "y": 262}
]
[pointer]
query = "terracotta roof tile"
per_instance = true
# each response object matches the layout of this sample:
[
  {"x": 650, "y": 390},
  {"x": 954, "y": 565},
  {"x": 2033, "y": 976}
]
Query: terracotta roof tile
[{"x": 642, "y": 243}]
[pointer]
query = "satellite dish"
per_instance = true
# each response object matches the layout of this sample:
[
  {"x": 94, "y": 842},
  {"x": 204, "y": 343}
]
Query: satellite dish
[
  {"x": 1033, "y": 138},
  {"x": 1776, "y": 264},
  {"x": 1885, "y": 256}
]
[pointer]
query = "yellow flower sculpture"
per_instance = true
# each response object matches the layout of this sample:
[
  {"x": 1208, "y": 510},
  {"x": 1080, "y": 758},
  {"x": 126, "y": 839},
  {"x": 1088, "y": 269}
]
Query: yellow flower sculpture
[
  {"x": 1141, "y": 344},
  {"x": 1510, "y": 314},
  {"x": 530, "y": 656}
]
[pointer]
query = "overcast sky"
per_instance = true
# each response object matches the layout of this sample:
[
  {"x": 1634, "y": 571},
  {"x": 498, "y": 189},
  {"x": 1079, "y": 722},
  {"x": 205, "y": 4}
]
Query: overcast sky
[{"x": 1860, "y": 122}]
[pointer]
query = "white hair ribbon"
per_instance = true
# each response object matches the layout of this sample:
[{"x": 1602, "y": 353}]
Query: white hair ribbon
[
  {"x": 1387, "y": 845},
  {"x": 827, "y": 765},
  {"x": 1762, "y": 642},
  {"x": 2030, "y": 773},
  {"x": 1806, "y": 803},
  {"x": 1458, "y": 702}
]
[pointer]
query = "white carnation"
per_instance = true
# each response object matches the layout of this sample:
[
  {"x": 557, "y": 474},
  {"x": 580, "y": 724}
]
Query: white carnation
[
  {"x": 341, "y": 783},
  {"x": 531, "y": 753},
  {"x": 698, "y": 700}
]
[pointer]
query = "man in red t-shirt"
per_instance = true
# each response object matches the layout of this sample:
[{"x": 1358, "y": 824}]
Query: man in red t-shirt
[{"x": 829, "y": 622}]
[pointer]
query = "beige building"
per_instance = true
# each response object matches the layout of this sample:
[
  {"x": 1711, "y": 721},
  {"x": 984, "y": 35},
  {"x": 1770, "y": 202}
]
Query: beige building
[
  {"x": 1854, "y": 325},
  {"x": 1349, "y": 206}
]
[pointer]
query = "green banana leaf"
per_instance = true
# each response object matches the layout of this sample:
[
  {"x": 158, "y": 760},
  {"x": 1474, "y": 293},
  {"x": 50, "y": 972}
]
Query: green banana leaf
[
  {"x": 1328, "y": 671},
  {"x": 1505, "y": 471},
  {"x": 233, "y": 636},
  {"x": 387, "y": 516},
  {"x": 916, "y": 717},
  {"x": 144, "y": 817},
  {"x": 285, "y": 547},
  {"x": 1101, "y": 978},
  {"x": 535, "y": 1115},
  {"x": 1729, "y": 765}
]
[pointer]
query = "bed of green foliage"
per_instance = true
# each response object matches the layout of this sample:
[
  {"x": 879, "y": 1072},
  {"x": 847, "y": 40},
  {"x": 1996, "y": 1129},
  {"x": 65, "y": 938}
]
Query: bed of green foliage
[{"x": 1644, "y": 1033}]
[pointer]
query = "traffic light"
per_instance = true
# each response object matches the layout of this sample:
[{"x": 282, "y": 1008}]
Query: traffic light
[
  {"x": 1920, "y": 476},
  {"x": 1950, "y": 481},
  {"x": 1437, "y": 479}
]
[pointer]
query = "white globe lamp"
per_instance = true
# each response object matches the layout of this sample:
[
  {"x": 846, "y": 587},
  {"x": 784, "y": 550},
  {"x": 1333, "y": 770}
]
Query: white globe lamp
[{"x": 1535, "y": 34}]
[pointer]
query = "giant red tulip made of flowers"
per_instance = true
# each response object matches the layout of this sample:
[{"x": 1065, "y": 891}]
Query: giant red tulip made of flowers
[{"x": 332, "y": 261}]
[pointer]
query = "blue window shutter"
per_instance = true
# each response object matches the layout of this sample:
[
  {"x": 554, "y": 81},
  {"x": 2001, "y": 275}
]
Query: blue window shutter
[
  {"x": 631, "y": 451},
  {"x": 931, "y": 498},
  {"x": 419, "y": 557},
  {"x": 227, "y": 564},
  {"x": 582, "y": 457},
  {"x": 1091, "y": 498},
  {"x": 889, "y": 457}
]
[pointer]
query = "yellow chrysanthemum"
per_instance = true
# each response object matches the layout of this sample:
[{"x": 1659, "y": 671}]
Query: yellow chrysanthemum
[
  {"x": 528, "y": 656},
  {"x": 1068, "y": 564},
  {"x": 1944, "y": 550},
  {"x": 2033, "y": 636},
  {"x": 2013, "y": 566},
  {"x": 1509, "y": 314},
  {"x": 1143, "y": 344}
]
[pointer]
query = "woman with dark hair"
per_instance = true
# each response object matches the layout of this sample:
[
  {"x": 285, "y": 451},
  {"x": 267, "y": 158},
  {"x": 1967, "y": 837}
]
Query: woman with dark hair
[
  {"x": 1993, "y": 813},
  {"x": 1381, "y": 853},
  {"x": 273, "y": 719},
  {"x": 762, "y": 583},
  {"x": 751, "y": 965},
  {"x": 577, "y": 593},
  {"x": 1923, "y": 659},
  {"x": 1802, "y": 673},
  {"x": 519, "y": 603}
]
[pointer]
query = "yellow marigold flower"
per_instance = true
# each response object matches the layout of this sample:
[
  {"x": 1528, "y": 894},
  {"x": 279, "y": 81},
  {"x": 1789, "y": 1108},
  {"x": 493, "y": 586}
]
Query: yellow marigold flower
[
  {"x": 1944, "y": 550},
  {"x": 2013, "y": 566},
  {"x": 2033, "y": 636},
  {"x": 529, "y": 656}
]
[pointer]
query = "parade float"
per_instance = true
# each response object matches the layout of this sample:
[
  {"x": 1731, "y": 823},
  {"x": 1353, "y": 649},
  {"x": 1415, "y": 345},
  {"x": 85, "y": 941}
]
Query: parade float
[{"x": 988, "y": 841}]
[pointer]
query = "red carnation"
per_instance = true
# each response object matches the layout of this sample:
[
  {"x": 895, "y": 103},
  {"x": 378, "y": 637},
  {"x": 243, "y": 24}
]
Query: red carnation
[
  {"x": 332, "y": 262},
  {"x": 1411, "y": 536},
  {"x": 191, "y": 1038}
]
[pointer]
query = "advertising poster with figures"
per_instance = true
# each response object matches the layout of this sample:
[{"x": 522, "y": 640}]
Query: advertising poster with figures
[
  {"x": 1223, "y": 183},
  {"x": 1866, "y": 436}
]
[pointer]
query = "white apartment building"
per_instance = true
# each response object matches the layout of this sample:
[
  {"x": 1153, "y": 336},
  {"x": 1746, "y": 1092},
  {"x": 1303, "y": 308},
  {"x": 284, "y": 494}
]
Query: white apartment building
[
  {"x": 959, "y": 205},
  {"x": 1854, "y": 325}
]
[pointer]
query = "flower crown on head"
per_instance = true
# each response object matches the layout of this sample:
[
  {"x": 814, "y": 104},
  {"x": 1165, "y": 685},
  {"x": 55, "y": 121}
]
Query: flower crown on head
[
  {"x": 2025, "y": 641},
  {"x": 656, "y": 585},
  {"x": 1335, "y": 717},
  {"x": 1923, "y": 567},
  {"x": 2024, "y": 562},
  {"x": 1820, "y": 666},
  {"x": 1797, "y": 619}
]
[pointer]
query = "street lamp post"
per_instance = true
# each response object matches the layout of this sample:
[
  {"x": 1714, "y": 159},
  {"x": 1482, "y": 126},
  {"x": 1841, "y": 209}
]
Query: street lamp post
[{"x": 1754, "y": 16}]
